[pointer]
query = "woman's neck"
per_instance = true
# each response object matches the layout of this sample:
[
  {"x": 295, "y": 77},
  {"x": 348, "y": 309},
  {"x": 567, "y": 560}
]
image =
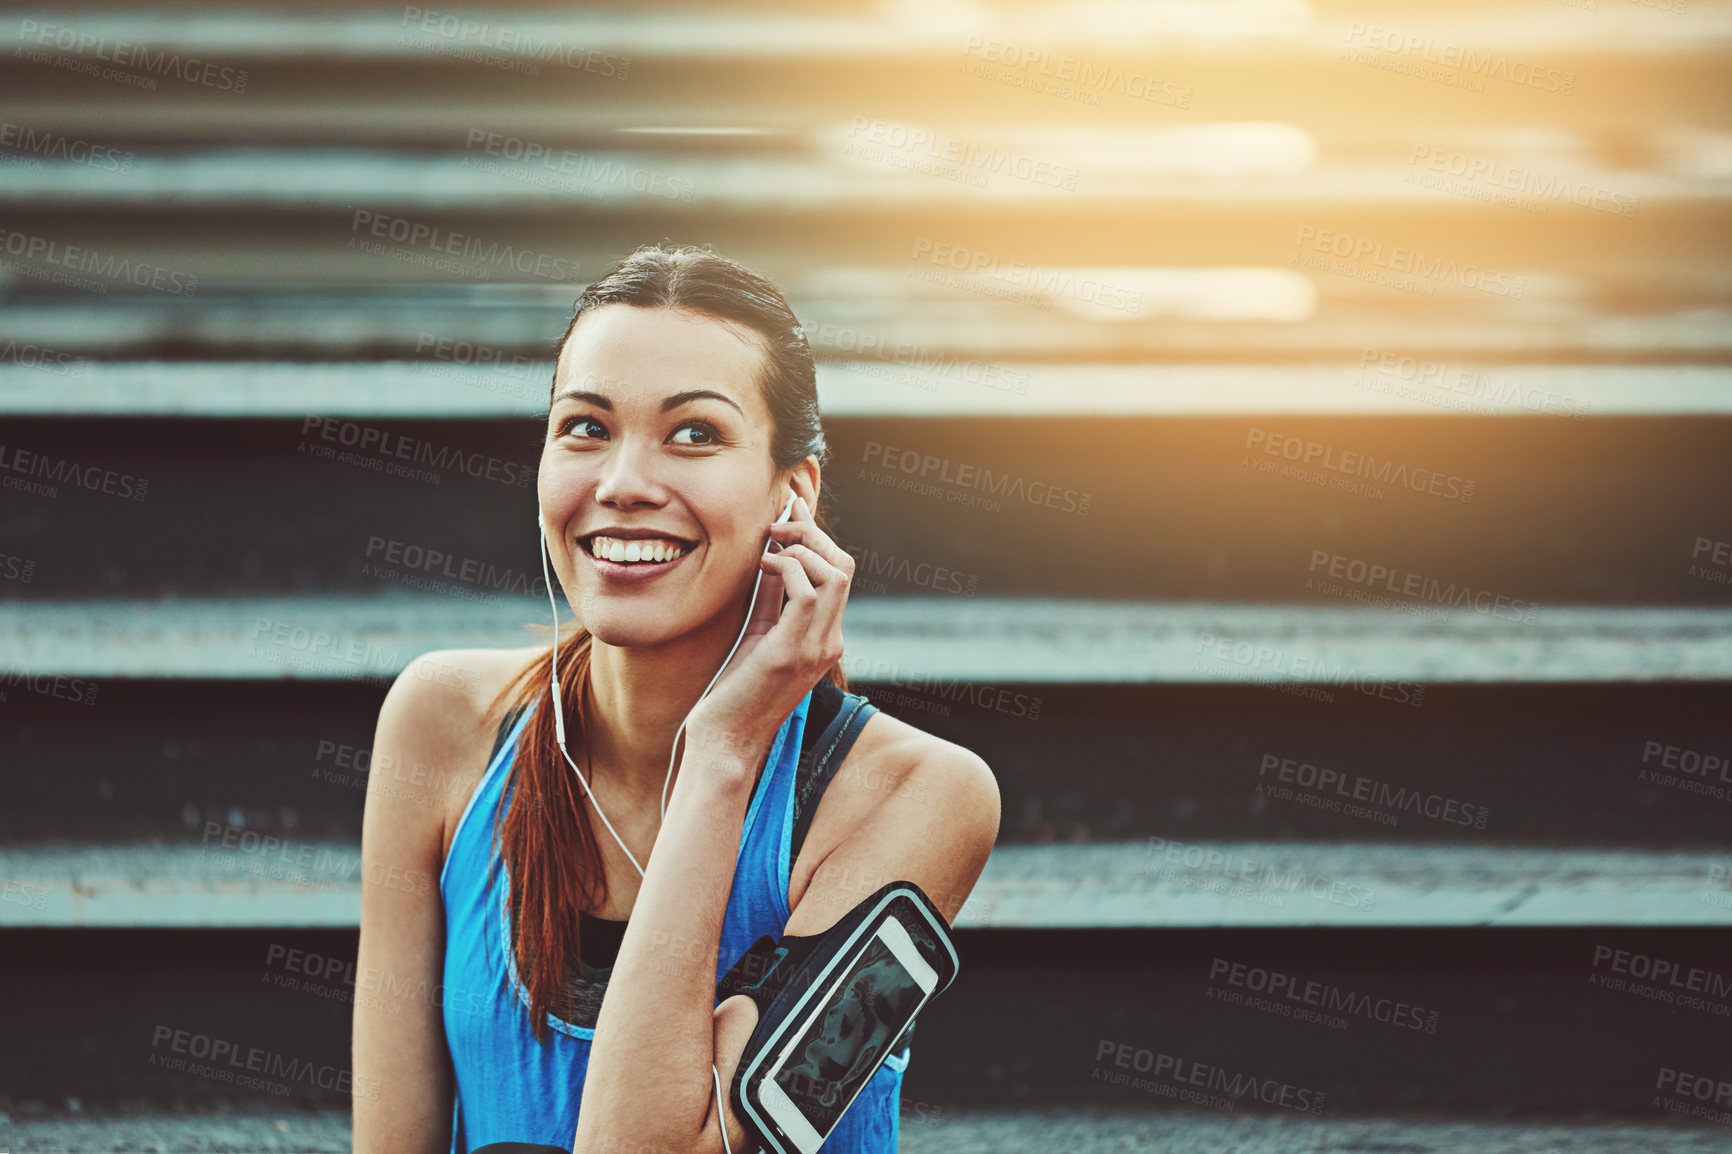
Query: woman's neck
[{"x": 638, "y": 696}]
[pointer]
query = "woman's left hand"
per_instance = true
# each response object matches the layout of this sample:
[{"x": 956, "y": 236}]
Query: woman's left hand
[{"x": 786, "y": 649}]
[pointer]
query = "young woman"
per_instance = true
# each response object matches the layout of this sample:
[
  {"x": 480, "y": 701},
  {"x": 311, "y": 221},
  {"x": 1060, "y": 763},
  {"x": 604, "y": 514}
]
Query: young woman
[{"x": 504, "y": 892}]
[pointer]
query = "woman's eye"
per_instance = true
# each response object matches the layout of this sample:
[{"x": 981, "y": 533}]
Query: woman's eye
[
  {"x": 704, "y": 434},
  {"x": 587, "y": 428}
]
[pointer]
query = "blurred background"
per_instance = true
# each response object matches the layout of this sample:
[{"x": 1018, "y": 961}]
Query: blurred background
[{"x": 1290, "y": 441}]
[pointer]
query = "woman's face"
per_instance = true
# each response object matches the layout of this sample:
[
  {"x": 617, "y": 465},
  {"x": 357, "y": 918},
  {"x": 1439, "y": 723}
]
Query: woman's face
[{"x": 656, "y": 482}]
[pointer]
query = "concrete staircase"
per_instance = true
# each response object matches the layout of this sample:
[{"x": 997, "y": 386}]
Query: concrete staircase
[{"x": 1289, "y": 442}]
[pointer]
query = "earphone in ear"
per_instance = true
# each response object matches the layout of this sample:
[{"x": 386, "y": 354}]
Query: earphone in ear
[{"x": 787, "y": 512}]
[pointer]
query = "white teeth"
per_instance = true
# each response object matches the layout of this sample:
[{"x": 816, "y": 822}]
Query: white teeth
[{"x": 654, "y": 549}]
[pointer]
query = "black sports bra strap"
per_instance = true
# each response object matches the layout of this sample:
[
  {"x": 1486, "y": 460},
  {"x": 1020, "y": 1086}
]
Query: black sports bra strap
[
  {"x": 504, "y": 731},
  {"x": 833, "y": 747}
]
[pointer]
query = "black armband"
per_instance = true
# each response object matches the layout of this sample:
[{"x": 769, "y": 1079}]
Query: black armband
[{"x": 831, "y": 1008}]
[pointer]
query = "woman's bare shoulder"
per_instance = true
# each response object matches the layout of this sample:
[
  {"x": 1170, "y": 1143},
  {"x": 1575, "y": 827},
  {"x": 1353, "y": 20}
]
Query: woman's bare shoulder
[
  {"x": 448, "y": 690},
  {"x": 435, "y": 732},
  {"x": 906, "y": 759},
  {"x": 894, "y": 773}
]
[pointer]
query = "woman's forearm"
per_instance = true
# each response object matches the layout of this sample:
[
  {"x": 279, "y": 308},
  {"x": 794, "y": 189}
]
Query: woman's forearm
[{"x": 649, "y": 1084}]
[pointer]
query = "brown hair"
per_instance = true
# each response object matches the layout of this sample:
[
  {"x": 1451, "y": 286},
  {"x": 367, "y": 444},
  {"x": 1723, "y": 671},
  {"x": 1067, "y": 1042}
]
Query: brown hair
[{"x": 546, "y": 840}]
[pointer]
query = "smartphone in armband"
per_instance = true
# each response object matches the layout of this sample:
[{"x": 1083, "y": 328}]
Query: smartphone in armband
[{"x": 831, "y": 1008}]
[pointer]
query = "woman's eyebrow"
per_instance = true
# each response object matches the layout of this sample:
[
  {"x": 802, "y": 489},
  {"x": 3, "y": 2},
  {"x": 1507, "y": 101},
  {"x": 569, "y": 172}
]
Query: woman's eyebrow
[
  {"x": 668, "y": 404},
  {"x": 691, "y": 395},
  {"x": 595, "y": 399}
]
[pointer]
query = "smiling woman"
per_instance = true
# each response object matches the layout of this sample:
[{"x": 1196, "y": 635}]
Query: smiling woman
[{"x": 683, "y": 419}]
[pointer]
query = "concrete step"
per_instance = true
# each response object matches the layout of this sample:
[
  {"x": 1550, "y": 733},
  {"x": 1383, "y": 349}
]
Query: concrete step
[
  {"x": 1166, "y": 882},
  {"x": 1643, "y": 766},
  {"x": 233, "y": 877},
  {"x": 1412, "y": 513},
  {"x": 1106, "y": 1131},
  {"x": 933, "y": 384},
  {"x": 1439, "y": 261},
  {"x": 951, "y": 646},
  {"x": 1153, "y": 169},
  {"x": 435, "y": 100},
  {"x": 1031, "y": 309},
  {"x": 754, "y": 35},
  {"x": 925, "y": 1128},
  {"x": 1487, "y": 1023},
  {"x": 1032, "y": 199}
]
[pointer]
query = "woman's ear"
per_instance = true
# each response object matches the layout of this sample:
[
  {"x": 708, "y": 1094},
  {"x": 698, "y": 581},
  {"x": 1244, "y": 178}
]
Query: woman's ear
[{"x": 803, "y": 480}]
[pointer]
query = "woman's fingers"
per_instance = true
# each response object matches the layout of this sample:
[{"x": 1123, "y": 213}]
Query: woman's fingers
[
  {"x": 769, "y": 604},
  {"x": 831, "y": 583},
  {"x": 837, "y": 573},
  {"x": 802, "y": 530},
  {"x": 815, "y": 575},
  {"x": 819, "y": 592},
  {"x": 796, "y": 618},
  {"x": 818, "y": 568}
]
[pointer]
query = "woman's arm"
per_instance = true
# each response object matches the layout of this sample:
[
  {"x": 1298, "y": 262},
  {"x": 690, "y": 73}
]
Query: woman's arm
[{"x": 403, "y": 1082}]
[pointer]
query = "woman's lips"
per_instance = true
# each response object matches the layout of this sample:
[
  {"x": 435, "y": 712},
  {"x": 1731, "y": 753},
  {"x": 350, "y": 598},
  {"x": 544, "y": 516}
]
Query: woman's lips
[{"x": 640, "y": 571}]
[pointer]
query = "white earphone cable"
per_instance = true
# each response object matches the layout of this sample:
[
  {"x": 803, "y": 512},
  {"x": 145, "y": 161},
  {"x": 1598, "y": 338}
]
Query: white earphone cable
[
  {"x": 673, "y": 757},
  {"x": 558, "y": 709}
]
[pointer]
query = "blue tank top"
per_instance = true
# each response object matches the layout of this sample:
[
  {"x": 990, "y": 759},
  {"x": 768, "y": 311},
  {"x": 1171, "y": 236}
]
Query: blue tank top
[{"x": 511, "y": 1089}]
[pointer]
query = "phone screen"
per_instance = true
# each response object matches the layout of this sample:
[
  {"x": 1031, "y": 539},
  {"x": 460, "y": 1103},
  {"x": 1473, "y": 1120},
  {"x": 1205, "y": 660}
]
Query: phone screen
[{"x": 830, "y": 1062}]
